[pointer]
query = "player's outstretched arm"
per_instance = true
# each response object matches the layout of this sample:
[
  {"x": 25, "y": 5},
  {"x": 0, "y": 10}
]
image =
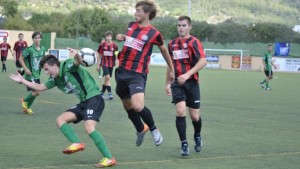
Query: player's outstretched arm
[
  {"x": 77, "y": 58},
  {"x": 19, "y": 79},
  {"x": 120, "y": 37}
]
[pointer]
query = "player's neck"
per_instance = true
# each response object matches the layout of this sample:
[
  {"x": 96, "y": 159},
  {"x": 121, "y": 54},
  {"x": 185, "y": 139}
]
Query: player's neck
[
  {"x": 144, "y": 23},
  {"x": 185, "y": 36}
]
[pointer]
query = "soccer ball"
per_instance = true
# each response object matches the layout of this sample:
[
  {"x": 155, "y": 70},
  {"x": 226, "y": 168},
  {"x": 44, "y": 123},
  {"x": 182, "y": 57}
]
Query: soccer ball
[{"x": 88, "y": 56}]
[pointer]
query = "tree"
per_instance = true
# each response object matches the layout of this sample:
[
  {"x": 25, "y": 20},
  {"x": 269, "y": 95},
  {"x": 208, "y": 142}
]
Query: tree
[{"x": 9, "y": 8}]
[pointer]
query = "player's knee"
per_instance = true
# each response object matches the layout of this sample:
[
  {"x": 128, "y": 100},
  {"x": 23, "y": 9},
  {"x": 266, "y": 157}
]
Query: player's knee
[
  {"x": 89, "y": 129},
  {"x": 60, "y": 121},
  {"x": 138, "y": 108}
]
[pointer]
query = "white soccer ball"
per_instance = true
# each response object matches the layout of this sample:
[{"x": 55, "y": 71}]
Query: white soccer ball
[{"x": 89, "y": 57}]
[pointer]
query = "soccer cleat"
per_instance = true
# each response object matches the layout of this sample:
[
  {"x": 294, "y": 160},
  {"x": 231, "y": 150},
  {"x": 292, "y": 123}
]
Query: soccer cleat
[
  {"x": 25, "y": 107},
  {"x": 73, "y": 148},
  {"x": 157, "y": 137},
  {"x": 198, "y": 143},
  {"x": 110, "y": 96},
  {"x": 185, "y": 151},
  {"x": 268, "y": 88},
  {"x": 28, "y": 111},
  {"x": 106, "y": 162},
  {"x": 261, "y": 84},
  {"x": 24, "y": 104},
  {"x": 140, "y": 136}
]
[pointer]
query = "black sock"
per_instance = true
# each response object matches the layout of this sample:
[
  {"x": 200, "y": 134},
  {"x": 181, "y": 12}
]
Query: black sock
[
  {"x": 136, "y": 120},
  {"x": 146, "y": 115},
  {"x": 197, "y": 127},
  {"x": 181, "y": 127},
  {"x": 108, "y": 89},
  {"x": 4, "y": 66},
  {"x": 103, "y": 88}
]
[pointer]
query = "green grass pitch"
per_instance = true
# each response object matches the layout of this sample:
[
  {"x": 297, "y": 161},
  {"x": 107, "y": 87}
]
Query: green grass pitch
[{"x": 244, "y": 126}]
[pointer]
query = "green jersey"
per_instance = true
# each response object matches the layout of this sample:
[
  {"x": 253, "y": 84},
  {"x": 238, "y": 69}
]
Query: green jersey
[
  {"x": 267, "y": 59},
  {"x": 74, "y": 79},
  {"x": 32, "y": 58}
]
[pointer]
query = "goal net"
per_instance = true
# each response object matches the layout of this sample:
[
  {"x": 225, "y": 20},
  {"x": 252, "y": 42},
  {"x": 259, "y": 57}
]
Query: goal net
[{"x": 240, "y": 59}]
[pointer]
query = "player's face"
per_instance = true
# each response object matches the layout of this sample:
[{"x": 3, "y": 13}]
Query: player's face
[
  {"x": 270, "y": 48},
  {"x": 183, "y": 28},
  {"x": 21, "y": 37},
  {"x": 37, "y": 40},
  {"x": 51, "y": 71},
  {"x": 140, "y": 14},
  {"x": 108, "y": 38}
]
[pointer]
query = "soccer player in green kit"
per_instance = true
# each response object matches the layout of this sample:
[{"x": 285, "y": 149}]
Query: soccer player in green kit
[
  {"x": 267, "y": 65},
  {"x": 30, "y": 60},
  {"x": 70, "y": 78}
]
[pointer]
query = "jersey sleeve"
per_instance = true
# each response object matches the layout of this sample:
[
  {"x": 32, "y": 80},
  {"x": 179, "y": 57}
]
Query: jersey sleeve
[
  {"x": 26, "y": 52},
  {"x": 50, "y": 83},
  {"x": 70, "y": 65},
  {"x": 159, "y": 40},
  {"x": 198, "y": 49},
  {"x": 15, "y": 46}
]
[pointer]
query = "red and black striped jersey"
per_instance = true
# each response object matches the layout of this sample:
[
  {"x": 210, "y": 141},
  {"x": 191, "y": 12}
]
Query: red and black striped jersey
[
  {"x": 4, "y": 49},
  {"x": 137, "y": 48},
  {"x": 185, "y": 53},
  {"x": 108, "y": 53},
  {"x": 19, "y": 47}
]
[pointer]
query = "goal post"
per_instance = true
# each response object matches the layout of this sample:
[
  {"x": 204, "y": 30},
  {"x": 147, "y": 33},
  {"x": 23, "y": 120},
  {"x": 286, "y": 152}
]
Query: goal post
[{"x": 230, "y": 52}]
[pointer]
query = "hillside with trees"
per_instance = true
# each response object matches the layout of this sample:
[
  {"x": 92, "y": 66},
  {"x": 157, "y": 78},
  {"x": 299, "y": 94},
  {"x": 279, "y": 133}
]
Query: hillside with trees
[{"x": 212, "y": 11}]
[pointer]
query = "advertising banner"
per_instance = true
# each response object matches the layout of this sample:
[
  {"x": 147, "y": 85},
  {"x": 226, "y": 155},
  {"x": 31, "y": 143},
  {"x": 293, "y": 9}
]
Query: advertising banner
[
  {"x": 287, "y": 64},
  {"x": 246, "y": 63},
  {"x": 235, "y": 61},
  {"x": 212, "y": 61},
  {"x": 61, "y": 54},
  {"x": 282, "y": 49}
]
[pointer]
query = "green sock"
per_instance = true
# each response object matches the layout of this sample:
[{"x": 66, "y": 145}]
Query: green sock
[
  {"x": 264, "y": 81},
  {"x": 267, "y": 84},
  {"x": 100, "y": 143},
  {"x": 69, "y": 133},
  {"x": 29, "y": 99}
]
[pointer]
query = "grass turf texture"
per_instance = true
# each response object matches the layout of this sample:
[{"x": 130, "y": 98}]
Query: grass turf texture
[{"x": 244, "y": 126}]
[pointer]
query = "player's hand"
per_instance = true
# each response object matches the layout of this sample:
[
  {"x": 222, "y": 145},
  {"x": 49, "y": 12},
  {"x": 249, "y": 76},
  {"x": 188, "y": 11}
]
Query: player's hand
[
  {"x": 182, "y": 78},
  {"x": 98, "y": 68},
  {"x": 16, "y": 77},
  {"x": 72, "y": 51},
  {"x": 168, "y": 89},
  {"x": 120, "y": 37}
]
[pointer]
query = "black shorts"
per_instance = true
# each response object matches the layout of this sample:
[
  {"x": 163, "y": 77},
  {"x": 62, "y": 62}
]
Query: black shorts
[
  {"x": 107, "y": 70},
  {"x": 3, "y": 58},
  {"x": 90, "y": 109},
  {"x": 268, "y": 73},
  {"x": 34, "y": 81},
  {"x": 129, "y": 83},
  {"x": 18, "y": 64},
  {"x": 188, "y": 92}
]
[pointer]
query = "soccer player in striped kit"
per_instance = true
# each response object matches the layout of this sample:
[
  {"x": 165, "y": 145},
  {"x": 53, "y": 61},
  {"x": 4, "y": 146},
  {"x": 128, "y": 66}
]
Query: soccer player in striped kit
[
  {"x": 19, "y": 46},
  {"x": 107, "y": 58},
  {"x": 188, "y": 58},
  {"x": 131, "y": 75},
  {"x": 4, "y": 47}
]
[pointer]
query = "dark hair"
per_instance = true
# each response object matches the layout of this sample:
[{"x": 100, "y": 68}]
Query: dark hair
[
  {"x": 50, "y": 60},
  {"x": 108, "y": 33},
  {"x": 269, "y": 45},
  {"x": 184, "y": 17},
  {"x": 20, "y": 34},
  {"x": 35, "y": 34},
  {"x": 148, "y": 7}
]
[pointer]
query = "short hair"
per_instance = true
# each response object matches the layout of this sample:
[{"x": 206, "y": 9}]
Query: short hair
[
  {"x": 108, "y": 33},
  {"x": 20, "y": 34},
  {"x": 184, "y": 17},
  {"x": 50, "y": 60},
  {"x": 35, "y": 34},
  {"x": 269, "y": 45},
  {"x": 148, "y": 7}
]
